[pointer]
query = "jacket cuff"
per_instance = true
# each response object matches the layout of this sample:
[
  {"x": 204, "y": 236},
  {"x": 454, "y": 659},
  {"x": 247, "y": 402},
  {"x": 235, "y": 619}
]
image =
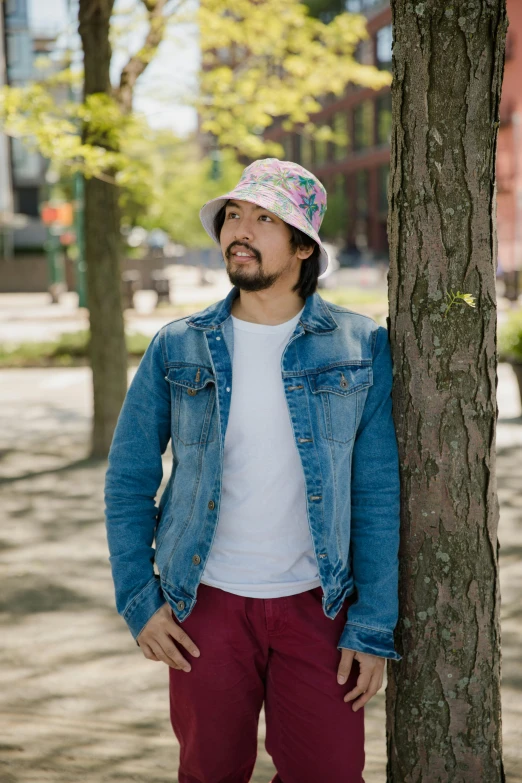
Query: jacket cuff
[
  {"x": 143, "y": 606},
  {"x": 368, "y": 640}
]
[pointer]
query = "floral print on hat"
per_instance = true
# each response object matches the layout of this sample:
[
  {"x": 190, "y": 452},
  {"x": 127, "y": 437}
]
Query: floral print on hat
[
  {"x": 284, "y": 188},
  {"x": 293, "y": 186}
]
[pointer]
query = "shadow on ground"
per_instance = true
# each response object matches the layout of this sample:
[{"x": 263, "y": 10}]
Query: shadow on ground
[{"x": 78, "y": 700}]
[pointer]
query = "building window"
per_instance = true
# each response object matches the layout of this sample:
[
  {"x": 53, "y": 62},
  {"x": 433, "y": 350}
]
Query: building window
[
  {"x": 359, "y": 6},
  {"x": 11, "y": 8},
  {"x": 297, "y": 148},
  {"x": 362, "y": 208},
  {"x": 363, "y": 117},
  {"x": 321, "y": 152},
  {"x": 28, "y": 201},
  {"x": 14, "y": 50},
  {"x": 27, "y": 163},
  {"x": 383, "y": 174},
  {"x": 363, "y": 53},
  {"x": 286, "y": 143},
  {"x": 341, "y": 129},
  {"x": 306, "y": 151},
  {"x": 384, "y": 118},
  {"x": 383, "y": 48},
  {"x": 336, "y": 219},
  {"x": 361, "y": 193}
]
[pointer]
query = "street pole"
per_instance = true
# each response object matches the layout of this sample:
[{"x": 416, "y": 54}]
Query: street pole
[
  {"x": 81, "y": 267},
  {"x": 78, "y": 185},
  {"x": 53, "y": 247}
]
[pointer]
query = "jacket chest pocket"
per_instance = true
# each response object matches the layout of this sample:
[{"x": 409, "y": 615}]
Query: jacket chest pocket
[
  {"x": 193, "y": 391},
  {"x": 341, "y": 392}
]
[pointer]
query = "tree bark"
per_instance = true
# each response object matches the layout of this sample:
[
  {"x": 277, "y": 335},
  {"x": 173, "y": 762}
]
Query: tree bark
[
  {"x": 108, "y": 352},
  {"x": 443, "y": 698}
]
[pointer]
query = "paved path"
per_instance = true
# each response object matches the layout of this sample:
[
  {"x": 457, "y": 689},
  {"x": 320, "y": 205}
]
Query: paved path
[
  {"x": 32, "y": 317},
  {"x": 78, "y": 702}
]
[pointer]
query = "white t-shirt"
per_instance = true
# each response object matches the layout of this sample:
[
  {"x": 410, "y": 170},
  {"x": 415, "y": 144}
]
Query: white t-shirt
[{"x": 262, "y": 546}]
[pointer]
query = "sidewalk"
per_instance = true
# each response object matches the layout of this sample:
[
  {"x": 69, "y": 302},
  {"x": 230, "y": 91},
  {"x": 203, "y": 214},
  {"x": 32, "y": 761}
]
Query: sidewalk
[
  {"x": 31, "y": 316},
  {"x": 78, "y": 700}
]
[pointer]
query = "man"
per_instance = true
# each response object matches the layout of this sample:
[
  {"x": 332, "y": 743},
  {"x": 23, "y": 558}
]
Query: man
[{"x": 276, "y": 538}]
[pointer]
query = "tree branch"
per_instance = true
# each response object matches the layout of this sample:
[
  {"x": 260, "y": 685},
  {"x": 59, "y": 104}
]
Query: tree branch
[{"x": 139, "y": 61}]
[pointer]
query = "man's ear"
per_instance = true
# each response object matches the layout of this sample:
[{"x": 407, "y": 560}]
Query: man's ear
[{"x": 304, "y": 252}]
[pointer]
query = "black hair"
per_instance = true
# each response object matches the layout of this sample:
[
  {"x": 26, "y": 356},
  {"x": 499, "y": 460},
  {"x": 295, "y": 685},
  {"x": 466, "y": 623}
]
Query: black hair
[{"x": 307, "y": 283}]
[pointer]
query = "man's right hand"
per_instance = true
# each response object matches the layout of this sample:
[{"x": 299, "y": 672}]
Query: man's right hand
[{"x": 155, "y": 640}]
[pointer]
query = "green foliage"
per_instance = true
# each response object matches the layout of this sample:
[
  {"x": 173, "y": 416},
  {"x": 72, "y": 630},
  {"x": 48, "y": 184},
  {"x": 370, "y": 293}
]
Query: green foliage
[
  {"x": 186, "y": 185},
  {"x": 325, "y": 10},
  {"x": 73, "y": 344},
  {"x": 173, "y": 185},
  {"x": 285, "y": 60},
  {"x": 137, "y": 343},
  {"x": 352, "y": 297},
  {"x": 271, "y": 59},
  {"x": 452, "y": 297},
  {"x": 71, "y": 348},
  {"x": 510, "y": 338},
  {"x": 163, "y": 180},
  {"x": 335, "y": 218},
  {"x": 53, "y": 127}
]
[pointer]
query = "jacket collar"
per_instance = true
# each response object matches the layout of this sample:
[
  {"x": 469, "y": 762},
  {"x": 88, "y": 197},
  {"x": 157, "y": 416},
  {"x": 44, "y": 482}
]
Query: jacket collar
[{"x": 315, "y": 317}]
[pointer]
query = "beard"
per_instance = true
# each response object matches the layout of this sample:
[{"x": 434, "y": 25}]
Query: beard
[
  {"x": 248, "y": 279},
  {"x": 251, "y": 280}
]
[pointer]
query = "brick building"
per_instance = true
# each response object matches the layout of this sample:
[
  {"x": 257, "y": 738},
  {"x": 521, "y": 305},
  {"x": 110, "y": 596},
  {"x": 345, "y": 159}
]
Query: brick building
[
  {"x": 24, "y": 188},
  {"x": 356, "y": 173}
]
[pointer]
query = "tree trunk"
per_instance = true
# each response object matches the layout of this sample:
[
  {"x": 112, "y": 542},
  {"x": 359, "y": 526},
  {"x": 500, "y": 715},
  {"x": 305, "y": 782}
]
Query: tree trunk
[
  {"x": 102, "y": 245},
  {"x": 443, "y": 698}
]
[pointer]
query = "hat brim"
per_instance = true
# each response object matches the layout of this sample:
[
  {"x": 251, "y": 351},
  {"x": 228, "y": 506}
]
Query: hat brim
[{"x": 209, "y": 211}]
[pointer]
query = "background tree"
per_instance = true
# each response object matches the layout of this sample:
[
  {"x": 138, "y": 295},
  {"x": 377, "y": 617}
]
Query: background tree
[
  {"x": 272, "y": 60},
  {"x": 108, "y": 353},
  {"x": 96, "y": 138},
  {"x": 169, "y": 181},
  {"x": 443, "y": 698},
  {"x": 282, "y": 61},
  {"x": 326, "y": 10}
]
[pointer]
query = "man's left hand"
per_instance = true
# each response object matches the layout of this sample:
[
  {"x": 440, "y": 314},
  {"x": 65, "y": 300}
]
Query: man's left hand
[{"x": 369, "y": 681}]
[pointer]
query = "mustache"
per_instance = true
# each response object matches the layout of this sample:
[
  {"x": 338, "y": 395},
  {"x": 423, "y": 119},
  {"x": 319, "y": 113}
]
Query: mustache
[{"x": 242, "y": 246}]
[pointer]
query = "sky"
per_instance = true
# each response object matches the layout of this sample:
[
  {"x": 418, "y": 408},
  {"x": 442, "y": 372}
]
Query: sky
[{"x": 170, "y": 74}]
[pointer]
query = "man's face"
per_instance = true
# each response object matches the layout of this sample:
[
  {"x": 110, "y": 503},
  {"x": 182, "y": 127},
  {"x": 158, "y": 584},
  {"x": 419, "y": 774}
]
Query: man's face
[{"x": 256, "y": 247}]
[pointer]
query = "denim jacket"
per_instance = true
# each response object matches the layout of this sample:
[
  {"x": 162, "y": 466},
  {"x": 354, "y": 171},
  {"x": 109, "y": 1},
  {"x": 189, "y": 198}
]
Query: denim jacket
[{"x": 336, "y": 371}]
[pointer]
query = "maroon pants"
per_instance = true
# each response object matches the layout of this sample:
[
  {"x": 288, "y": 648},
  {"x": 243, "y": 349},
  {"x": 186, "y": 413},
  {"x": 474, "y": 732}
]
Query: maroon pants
[{"x": 280, "y": 651}]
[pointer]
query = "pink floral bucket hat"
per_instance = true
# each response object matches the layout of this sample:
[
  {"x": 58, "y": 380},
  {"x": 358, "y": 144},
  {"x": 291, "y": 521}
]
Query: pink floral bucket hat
[{"x": 282, "y": 187}]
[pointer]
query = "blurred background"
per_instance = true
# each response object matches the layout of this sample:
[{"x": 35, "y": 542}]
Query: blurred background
[{"x": 77, "y": 696}]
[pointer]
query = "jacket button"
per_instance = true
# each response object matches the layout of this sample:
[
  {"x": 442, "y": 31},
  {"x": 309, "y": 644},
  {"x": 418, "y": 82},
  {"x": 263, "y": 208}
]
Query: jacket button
[
  {"x": 196, "y": 560},
  {"x": 181, "y": 605},
  {"x": 211, "y": 504},
  {"x": 192, "y": 391}
]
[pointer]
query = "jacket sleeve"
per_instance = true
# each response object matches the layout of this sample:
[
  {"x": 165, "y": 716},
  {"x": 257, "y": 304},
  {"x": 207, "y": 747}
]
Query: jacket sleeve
[
  {"x": 132, "y": 480},
  {"x": 375, "y": 516}
]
